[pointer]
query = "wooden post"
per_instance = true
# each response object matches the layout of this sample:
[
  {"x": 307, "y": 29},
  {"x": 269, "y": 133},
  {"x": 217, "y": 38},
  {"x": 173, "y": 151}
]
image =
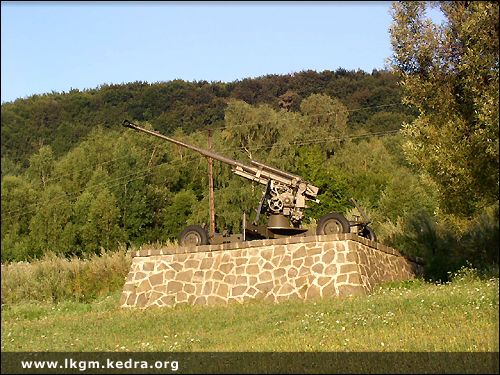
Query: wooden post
[{"x": 211, "y": 186}]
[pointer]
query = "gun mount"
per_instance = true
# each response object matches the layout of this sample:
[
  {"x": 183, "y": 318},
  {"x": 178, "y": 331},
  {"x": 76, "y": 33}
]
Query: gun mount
[{"x": 283, "y": 202}]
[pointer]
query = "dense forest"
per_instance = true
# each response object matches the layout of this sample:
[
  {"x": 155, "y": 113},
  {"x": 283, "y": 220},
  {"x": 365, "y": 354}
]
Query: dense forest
[
  {"x": 61, "y": 120},
  {"x": 75, "y": 182}
]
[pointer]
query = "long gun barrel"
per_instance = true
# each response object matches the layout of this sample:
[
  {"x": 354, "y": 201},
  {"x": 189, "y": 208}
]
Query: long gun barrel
[
  {"x": 202, "y": 151},
  {"x": 259, "y": 172}
]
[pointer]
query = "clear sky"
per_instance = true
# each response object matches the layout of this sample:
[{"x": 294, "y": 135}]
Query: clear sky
[{"x": 56, "y": 46}]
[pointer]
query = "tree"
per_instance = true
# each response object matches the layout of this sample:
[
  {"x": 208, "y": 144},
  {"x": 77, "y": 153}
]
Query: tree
[
  {"x": 368, "y": 167},
  {"x": 273, "y": 136},
  {"x": 449, "y": 72},
  {"x": 50, "y": 227},
  {"x": 254, "y": 129},
  {"x": 312, "y": 164},
  {"x": 101, "y": 229},
  {"x": 19, "y": 199},
  {"x": 41, "y": 166},
  {"x": 177, "y": 213},
  {"x": 326, "y": 119},
  {"x": 10, "y": 167}
]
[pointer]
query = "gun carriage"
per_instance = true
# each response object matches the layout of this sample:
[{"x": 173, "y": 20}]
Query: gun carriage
[{"x": 283, "y": 203}]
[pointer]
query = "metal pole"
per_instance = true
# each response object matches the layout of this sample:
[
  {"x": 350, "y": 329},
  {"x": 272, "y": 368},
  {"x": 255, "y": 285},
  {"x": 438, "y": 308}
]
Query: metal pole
[
  {"x": 211, "y": 186},
  {"x": 244, "y": 226}
]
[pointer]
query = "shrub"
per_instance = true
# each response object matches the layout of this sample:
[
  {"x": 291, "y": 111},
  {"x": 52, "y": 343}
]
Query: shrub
[{"x": 448, "y": 243}]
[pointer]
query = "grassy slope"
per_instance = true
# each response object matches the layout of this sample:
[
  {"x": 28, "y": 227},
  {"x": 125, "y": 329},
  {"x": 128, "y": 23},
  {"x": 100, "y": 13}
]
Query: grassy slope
[{"x": 410, "y": 316}]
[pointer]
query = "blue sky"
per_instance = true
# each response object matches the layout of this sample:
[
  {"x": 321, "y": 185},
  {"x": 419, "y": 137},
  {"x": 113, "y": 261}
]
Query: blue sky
[{"x": 56, "y": 46}]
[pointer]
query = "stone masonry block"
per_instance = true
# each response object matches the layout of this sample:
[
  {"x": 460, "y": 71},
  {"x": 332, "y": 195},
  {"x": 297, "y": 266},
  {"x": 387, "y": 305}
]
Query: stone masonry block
[
  {"x": 317, "y": 268},
  {"x": 351, "y": 290},
  {"x": 143, "y": 287},
  {"x": 330, "y": 270},
  {"x": 341, "y": 278},
  {"x": 148, "y": 266},
  {"x": 285, "y": 261},
  {"x": 252, "y": 270},
  {"x": 123, "y": 298},
  {"x": 351, "y": 256},
  {"x": 174, "y": 287},
  {"x": 238, "y": 290},
  {"x": 340, "y": 247},
  {"x": 142, "y": 300},
  {"x": 222, "y": 290},
  {"x": 156, "y": 279},
  {"x": 268, "y": 266},
  {"x": 354, "y": 279},
  {"x": 347, "y": 268},
  {"x": 185, "y": 276},
  {"x": 241, "y": 261},
  {"x": 313, "y": 292},
  {"x": 300, "y": 253},
  {"x": 294, "y": 267},
  {"x": 327, "y": 257}
]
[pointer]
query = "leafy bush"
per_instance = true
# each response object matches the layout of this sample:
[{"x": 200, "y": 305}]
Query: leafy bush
[
  {"x": 481, "y": 242},
  {"x": 447, "y": 244}
]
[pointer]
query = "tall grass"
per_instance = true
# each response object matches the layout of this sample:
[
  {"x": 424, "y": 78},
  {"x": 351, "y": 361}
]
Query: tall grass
[{"x": 54, "y": 279}]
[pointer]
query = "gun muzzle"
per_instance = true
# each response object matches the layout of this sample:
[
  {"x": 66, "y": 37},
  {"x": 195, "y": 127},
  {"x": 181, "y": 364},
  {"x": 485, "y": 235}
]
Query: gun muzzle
[{"x": 127, "y": 124}]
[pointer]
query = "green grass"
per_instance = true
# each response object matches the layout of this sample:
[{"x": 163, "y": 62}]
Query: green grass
[{"x": 461, "y": 316}]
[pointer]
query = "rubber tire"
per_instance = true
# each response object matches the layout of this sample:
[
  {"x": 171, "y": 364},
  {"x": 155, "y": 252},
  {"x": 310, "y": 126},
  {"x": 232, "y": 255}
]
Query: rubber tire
[
  {"x": 338, "y": 220},
  {"x": 193, "y": 235},
  {"x": 369, "y": 234}
]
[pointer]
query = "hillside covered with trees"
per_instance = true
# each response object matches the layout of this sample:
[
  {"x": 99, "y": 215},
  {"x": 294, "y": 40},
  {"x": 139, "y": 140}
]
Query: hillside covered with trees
[
  {"x": 145, "y": 189},
  {"x": 75, "y": 182},
  {"x": 62, "y": 120}
]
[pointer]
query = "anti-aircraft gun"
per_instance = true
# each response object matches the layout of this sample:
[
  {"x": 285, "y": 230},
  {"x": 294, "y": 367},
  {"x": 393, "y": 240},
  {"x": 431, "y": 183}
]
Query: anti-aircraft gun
[{"x": 283, "y": 202}]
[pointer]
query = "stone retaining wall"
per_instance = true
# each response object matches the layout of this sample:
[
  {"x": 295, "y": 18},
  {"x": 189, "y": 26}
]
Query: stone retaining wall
[{"x": 295, "y": 267}]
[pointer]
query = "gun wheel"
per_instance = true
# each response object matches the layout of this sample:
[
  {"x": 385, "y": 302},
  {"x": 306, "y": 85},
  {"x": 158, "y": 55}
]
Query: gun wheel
[
  {"x": 193, "y": 235},
  {"x": 333, "y": 223},
  {"x": 368, "y": 233}
]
